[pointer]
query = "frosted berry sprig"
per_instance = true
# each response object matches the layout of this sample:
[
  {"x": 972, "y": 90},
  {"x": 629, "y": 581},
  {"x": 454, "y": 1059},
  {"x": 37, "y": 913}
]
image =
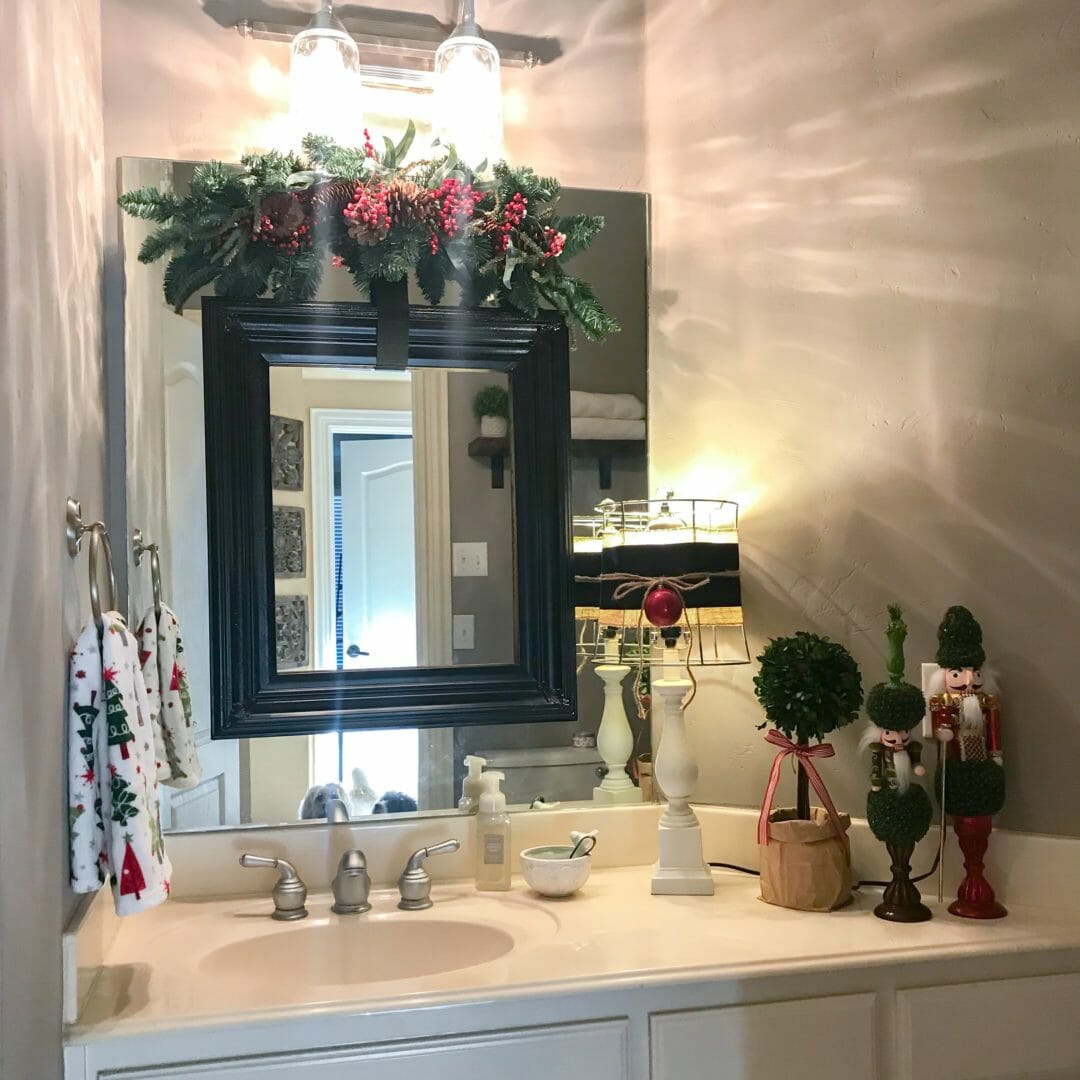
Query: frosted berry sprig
[
  {"x": 513, "y": 215},
  {"x": 556, "y": 241},
  {"x": 369, "y": 146},
  {"x": 457, "y": 203}
]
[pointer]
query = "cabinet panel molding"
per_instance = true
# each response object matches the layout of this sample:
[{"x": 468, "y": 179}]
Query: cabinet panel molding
[
  {"x": 587, "y": 1051},
  {"x": 813, "y": 1039},
  {"x": 1007, "y": 1029}
]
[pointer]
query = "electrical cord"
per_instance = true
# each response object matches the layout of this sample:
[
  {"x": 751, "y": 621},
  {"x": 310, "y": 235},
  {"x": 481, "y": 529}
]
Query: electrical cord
[{"x": 757, "y": 873}]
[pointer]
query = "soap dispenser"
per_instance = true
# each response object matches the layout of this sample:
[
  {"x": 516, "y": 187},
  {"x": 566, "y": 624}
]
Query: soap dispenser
[
  {"x": 492, "y": 835},
  {"x": 472, "y": 785}
]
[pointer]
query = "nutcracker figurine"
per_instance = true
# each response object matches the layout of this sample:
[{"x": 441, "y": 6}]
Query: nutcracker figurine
[
  {"x": 898, "y": 810},
  {"x": 966, "y": 721}
]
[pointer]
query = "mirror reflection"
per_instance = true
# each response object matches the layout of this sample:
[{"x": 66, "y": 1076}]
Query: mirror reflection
[
  {"x": 287, "y": 779},
  {"x": 393, "y": 540}
]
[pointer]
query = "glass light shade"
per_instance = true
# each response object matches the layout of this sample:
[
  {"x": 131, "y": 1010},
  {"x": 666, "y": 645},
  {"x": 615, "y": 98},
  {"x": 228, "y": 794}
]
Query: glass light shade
[
  {"x": 468, "y": 99},
  {"x": 324, "y": 82}
]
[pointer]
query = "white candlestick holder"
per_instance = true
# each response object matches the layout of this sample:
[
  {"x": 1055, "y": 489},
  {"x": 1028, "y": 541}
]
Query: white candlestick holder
[
  {"x": 615, "y": 740},
  {"x": 681, "y": 869}
]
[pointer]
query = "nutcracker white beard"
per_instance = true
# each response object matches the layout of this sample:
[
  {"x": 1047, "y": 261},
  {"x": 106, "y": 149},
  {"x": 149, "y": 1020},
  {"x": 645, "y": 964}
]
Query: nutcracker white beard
[
  {"x": 972, "y": 720},
  {"x": 901, "y": 760}
]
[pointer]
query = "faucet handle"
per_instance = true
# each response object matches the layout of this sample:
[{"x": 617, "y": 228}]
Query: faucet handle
[
  {"x": 415, "y": 882},
  {"x": 289, "y": 894}
]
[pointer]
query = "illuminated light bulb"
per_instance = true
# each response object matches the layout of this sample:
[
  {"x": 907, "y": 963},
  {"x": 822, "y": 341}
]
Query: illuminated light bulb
[
  {"x": 324, "y": 79},
  {"x": 468, "y": 93}
]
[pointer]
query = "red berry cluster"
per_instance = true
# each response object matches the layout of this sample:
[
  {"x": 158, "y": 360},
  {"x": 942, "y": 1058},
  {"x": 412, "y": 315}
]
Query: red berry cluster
[
  {"x": 369, "y": 146},
  {"x": 368, "y": 212},
  {"x": 456, "y": 205},
  {"x": 556, "y": 241},
  {"x": 290, "y": 244},
  {"x": 337, "y": 262},
  {"x": 513, "y": 215}
]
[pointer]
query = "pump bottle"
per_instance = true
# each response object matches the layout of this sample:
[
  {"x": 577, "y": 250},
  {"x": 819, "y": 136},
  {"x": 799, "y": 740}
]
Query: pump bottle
[
  {"x": 472, "y": 785},
  {"x": 492, "y": 835}
]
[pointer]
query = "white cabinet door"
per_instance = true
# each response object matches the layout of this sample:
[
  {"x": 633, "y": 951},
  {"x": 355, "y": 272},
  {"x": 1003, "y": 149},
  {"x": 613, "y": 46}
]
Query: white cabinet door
[
  {"x": 1009, "y": 1029},
  {"x": 572, "y": 1052},
  {"x": 813, "y": 1039}
]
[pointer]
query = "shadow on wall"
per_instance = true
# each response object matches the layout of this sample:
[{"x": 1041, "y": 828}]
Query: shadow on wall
[{"x": 866, "y": 255}]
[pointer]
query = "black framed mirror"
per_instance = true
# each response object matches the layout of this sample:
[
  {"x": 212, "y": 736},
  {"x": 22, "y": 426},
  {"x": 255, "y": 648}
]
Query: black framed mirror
[{"x": 257, "y": 689}]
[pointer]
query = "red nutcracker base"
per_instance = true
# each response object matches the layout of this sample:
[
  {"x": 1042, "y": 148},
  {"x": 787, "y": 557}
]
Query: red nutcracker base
[{"x": 975, "y": 897}]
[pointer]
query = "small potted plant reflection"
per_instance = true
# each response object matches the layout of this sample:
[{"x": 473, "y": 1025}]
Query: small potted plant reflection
[
  {"x": 492, "y": 408},
  {"x": 808, "y": 686}
]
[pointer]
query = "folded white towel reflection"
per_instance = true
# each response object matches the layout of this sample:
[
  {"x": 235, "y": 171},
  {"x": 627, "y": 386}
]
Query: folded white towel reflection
[
  {"x": 606, "y": 406},
  {"x": 593, "y": 427}
]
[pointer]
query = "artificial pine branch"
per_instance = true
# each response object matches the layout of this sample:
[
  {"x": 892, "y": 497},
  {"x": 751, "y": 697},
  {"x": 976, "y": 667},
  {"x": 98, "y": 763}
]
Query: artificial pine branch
[{"x": 269, "y": 224}]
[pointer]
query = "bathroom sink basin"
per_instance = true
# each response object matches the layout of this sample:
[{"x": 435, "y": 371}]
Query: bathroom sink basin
[{"x": 360, "y": 950}]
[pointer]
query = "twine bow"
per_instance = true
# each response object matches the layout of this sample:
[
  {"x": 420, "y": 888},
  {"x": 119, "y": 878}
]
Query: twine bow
[
  {"x": 630, "y": 583},
  {"x": 804, "y": 755}
]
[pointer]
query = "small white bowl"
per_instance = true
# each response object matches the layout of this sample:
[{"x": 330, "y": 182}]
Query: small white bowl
[{"x": 551, "y": 872}]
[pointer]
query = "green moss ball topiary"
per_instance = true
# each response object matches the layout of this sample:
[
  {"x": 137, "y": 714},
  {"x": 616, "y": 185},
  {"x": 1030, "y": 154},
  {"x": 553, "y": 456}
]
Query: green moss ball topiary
[
  {"x": 808, "y": 686},
  {"x": 973, "y": 788},
  {"x": 895, "y": 706},
  {"x": 897, "y": 818}
]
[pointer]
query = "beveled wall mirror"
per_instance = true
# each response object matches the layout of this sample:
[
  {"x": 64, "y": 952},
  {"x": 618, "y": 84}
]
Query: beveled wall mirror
[
  {"x": 369, "y": 642},
  {"x": 263, "y": 780}
]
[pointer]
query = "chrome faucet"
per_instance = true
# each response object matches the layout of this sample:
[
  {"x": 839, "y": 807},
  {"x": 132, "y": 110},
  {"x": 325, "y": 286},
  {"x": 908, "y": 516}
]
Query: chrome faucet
[
  {"x": 289, "y": 893},
  {"x": 415, "y": 882},
  {"x": 336, "y": 812},
  {"x": 351, "y": 884}
]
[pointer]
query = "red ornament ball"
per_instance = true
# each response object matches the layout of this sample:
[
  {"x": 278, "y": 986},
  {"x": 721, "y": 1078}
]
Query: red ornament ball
[{"x": 663, "y": 606}]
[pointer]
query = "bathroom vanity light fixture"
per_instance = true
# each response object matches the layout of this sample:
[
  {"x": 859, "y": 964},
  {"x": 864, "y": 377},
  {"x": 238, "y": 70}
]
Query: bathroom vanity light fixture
[
  {"x": 324, "y": 80},
  {"x": 397, "y": 48},
  {"x": 468, "y": 92}
]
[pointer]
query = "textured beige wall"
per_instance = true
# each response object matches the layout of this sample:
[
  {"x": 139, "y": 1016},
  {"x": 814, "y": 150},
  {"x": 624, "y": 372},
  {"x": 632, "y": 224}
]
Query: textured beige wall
[
  {"x": 51, "y": 440},
  {"x": 866, "y": 325}
]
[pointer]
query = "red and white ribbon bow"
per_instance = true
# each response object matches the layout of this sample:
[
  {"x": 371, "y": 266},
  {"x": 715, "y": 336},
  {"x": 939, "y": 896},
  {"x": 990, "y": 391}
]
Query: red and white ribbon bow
[{"x": 805, "y": 755}]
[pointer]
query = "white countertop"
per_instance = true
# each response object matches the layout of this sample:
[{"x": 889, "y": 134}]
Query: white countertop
[{"x": 161, "y": 971}]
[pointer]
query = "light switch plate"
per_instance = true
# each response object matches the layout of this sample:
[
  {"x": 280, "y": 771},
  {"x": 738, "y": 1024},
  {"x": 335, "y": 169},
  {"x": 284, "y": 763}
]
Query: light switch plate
[
  {"x": 470, "y": 560},
  {"x": 464, "y": 631}
]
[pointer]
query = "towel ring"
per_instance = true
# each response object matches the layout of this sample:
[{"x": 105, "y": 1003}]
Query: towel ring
[
  {"x": 139, "y": 549},
  {"x": 99, "y": 541}
]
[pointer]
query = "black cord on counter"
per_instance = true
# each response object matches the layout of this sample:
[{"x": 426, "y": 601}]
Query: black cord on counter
[{"x": 757, "y": 873}]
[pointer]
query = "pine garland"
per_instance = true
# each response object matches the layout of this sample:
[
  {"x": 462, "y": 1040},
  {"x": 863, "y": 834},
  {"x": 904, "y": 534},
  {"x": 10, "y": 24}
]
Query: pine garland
[{"x": 271, "y": 225}]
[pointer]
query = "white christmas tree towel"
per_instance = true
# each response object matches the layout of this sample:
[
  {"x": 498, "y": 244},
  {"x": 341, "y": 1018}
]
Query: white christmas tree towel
[
  {"x": 161, "y": 654},
  {"x": 113, "y": 796}
]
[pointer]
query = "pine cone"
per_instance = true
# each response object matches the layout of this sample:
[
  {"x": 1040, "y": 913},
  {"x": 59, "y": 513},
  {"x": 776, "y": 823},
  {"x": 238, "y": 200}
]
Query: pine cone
[
  {"x": 329, "y": 199},
  {"x": 410, "y": 204},
  {"x": 281, "y": 214}
]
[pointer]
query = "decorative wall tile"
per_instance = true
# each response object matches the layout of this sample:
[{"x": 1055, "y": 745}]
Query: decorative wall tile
[
  {"x": 288, "y": 541},
  {"x": 291, "y": 618},
  {"x": 286, "y": 453}
]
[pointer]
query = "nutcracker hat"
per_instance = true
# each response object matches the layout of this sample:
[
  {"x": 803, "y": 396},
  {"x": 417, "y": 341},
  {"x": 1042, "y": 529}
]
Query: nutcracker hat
[
  {"x": 896, "y": 705},
  {"x": 960, "y": 640}
]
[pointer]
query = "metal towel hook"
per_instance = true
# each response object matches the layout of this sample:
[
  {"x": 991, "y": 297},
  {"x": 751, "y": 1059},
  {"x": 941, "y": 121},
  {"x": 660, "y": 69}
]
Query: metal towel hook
[
  {"x": 99, "y": 541},
  {"x": 139, "y": 549}
]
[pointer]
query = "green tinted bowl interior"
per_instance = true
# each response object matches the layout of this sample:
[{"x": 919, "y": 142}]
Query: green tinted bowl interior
[{"x": 553, "y": 851}]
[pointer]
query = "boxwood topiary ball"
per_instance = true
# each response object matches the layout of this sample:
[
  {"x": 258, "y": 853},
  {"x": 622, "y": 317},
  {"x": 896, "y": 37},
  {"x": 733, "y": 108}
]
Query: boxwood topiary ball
[
  {"x": 972, "y": 788},
  {"x": 895, "y": 706},
  {"x": 897, "y": 818}
]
